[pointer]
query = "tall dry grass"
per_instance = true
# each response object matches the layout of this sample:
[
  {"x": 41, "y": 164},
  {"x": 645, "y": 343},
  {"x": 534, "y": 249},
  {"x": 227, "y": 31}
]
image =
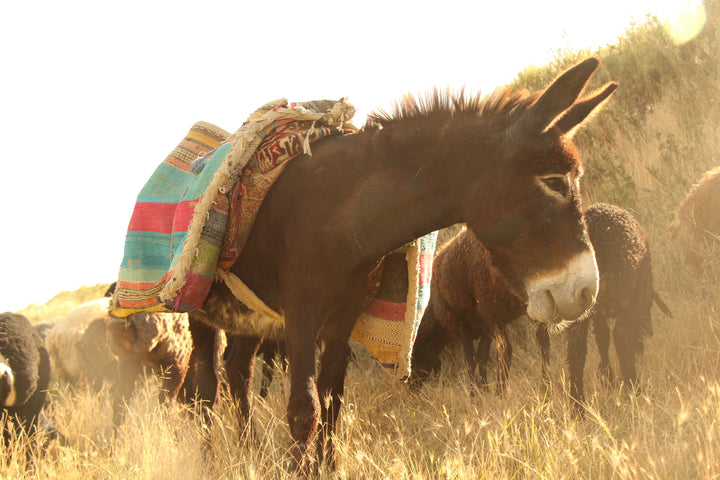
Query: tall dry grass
[{"x": 655, "y": 138}]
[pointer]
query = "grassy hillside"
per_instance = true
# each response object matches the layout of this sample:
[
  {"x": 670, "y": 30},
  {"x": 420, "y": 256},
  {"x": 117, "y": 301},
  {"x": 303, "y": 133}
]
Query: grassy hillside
[
  {"x": 63, "y": 302},
  {"x": 659, "y": 132}
]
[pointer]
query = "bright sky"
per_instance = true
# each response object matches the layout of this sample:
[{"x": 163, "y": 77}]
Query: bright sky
[{"x": 94, "y": 95}]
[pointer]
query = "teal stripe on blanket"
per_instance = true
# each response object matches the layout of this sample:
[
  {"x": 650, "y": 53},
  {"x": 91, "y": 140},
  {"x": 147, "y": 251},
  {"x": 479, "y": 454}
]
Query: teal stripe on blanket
[
  {"x": 147, "y": 249},
  {"x": 140, "y": 275},
  {"x": 171, "y": 185},
  {"x": 166, "y": 185},
  {"x": 213, "y": 161}
]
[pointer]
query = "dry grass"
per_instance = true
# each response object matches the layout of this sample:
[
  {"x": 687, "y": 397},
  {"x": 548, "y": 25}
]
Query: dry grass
[
  {"x": 670, "y": 429},
  {"x": 643, "y": 153}
]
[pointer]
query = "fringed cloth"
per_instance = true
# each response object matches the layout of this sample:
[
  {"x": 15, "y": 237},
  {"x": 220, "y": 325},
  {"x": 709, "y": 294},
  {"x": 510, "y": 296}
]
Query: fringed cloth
[{"x": 193, "y": 216}]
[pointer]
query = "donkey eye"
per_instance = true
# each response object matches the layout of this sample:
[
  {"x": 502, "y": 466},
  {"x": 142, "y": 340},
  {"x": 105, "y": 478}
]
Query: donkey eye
[{"x": 555, "y": 185}]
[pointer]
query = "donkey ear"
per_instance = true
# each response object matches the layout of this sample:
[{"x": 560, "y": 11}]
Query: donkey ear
[
  {"x": 569, "y": 122},
  {"x": 558, "y": 97}
]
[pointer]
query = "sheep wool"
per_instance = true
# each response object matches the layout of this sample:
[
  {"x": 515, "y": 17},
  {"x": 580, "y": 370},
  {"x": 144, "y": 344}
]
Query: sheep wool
[{"x": 24, "y": 374}]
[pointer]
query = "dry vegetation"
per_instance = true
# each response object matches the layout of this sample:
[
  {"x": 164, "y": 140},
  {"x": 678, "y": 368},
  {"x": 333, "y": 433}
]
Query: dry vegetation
[{"x": 656, "y": 137}]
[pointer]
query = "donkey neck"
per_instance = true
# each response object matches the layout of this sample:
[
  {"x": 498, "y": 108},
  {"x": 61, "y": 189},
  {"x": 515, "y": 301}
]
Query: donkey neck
[{"x": 419, "y": 190}]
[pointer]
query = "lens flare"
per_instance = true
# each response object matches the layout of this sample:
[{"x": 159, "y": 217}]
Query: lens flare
[{"x": 687, "y": 23}]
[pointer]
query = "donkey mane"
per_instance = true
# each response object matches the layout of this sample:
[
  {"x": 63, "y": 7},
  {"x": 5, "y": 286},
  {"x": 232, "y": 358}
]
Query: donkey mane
[{"x": 503, "y": 105}]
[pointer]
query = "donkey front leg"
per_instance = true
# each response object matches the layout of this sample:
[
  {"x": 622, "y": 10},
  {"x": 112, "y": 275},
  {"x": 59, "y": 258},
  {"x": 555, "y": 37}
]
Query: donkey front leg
[
  {"x": 331, "y": 378},
  {"x": 303, "y": 409}
]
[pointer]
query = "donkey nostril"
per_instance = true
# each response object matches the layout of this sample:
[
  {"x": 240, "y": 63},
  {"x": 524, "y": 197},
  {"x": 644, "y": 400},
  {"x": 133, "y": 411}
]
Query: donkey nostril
[{"x": 587, "y": 297}]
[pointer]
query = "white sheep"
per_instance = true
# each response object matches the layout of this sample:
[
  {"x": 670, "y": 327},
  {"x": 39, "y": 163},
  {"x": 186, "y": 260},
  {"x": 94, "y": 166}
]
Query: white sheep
[{"x": 77, "y": 344}]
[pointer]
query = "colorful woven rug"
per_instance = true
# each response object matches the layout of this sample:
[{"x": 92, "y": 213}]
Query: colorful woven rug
[{"x": 194, "y": 214}]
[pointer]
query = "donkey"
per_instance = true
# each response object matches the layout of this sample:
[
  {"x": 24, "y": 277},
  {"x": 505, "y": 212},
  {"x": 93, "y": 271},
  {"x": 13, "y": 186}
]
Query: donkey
[{"x": 504, "y": 165}]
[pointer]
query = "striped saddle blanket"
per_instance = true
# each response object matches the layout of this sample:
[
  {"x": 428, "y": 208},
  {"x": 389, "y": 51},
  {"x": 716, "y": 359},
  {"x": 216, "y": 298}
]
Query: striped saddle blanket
[{"x": 192, "y": 217}]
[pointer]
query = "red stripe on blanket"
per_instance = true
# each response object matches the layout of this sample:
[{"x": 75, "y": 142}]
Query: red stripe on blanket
[
  {"x": 392, "y": 311},
  {"x": 425, "y": 260},
  {"x": 178, "y": 163},
  {"x": 152, "y": 217},
  {"x": 162, "y": 217},
  {"x": 140, "y": 304},
  {"x": 143, "y": 285},
  {"x": 183, "y": 215}
]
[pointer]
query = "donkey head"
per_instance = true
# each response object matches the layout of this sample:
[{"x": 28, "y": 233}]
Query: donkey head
[{"x": 538, "y": 237}]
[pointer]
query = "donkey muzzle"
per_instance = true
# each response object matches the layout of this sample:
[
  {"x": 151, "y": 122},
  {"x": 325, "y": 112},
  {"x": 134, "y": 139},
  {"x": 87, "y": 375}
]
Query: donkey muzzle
[{"x": 566, "y": 294}]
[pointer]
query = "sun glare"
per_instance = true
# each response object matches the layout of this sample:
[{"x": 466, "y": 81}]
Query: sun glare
[{"x": 687, "y": 23}]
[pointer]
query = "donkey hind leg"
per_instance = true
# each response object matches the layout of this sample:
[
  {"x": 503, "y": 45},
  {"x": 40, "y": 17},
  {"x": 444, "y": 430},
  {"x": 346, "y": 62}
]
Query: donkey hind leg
[
  {"x": 504, "y": 358},
  {"x": 470, "y": 359},
  {"x": 271, "y": 349},
  {"x": 129, "y": 370},
  {"x": 483, "y": 355},
  {"x": 239, "y": 367},
  {"x": 576, "y": 335},
  {"x": 331, "y": 376},
  {"x": 203, "y": 387},
  {"x": 542, "y": 338},
  {"x": 602, "y": 340}
]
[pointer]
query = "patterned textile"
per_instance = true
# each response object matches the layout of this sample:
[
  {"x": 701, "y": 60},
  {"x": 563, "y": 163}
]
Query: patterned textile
[
  {"x": 399, "y": 291},
  {"x": 160, "y": 220},
  {"x": 194, "y": 214}
]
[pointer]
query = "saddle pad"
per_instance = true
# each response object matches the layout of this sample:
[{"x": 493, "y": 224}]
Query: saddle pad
[{"x": 195, "y": 212}]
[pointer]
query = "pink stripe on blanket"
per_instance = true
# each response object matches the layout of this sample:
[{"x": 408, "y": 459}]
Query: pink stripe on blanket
[
  {"x": 162, "y": 217},
  {"x": 143, "y": 285},
  {"x": 425, "y": 260},
  {"x": 152, "y": 217},
  {"x": 178, "y": 163},
  {"x": 394, "y": 312},
  {"x": 183, "y": 215}
]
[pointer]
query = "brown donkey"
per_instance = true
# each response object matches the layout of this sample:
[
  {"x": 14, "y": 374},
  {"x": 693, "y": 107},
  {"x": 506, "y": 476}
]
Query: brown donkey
[{"x": 504, "y": 165}]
